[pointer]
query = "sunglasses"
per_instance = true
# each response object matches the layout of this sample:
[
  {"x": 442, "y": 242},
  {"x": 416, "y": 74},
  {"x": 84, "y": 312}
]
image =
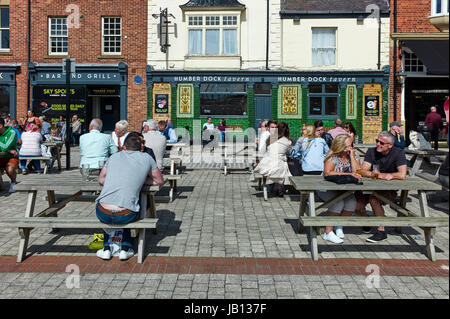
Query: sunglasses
[{"x": 382, "y": 143}]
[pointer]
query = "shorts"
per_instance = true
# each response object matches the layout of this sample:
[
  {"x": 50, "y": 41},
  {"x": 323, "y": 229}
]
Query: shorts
[
  {"x": 347, "y": 204},
  {"x": 9, "y": 161}
]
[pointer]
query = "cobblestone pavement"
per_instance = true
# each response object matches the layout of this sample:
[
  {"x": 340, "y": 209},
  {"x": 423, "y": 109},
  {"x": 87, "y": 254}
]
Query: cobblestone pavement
[{"x": 219, "y": 216}]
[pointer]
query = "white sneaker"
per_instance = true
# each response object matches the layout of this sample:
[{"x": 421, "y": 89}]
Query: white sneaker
[
  {"x": 104, "y": 254},
  {"x": 11, "y": 187},
  {"x": 124, "y": 255},
  {"x": 331, "y": 236},
  {"x": 339, "y": 232}
]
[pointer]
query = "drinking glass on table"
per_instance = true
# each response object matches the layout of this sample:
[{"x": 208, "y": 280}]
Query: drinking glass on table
[
  {"x": 85, "y": 168},
  {"x": 375, "y": 171}
]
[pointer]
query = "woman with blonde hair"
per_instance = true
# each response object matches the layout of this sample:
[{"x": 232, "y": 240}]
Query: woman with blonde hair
[
  {"x": 340, "y": 160},
  {"x": 313, "y": 152},
  {"x": 120, "y": 133}
]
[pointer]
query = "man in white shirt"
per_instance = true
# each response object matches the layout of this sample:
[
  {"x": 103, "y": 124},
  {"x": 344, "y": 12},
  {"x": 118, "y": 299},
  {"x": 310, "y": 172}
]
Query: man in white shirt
[
  {"x": 155, "y": 141},
  {"x": 96, "y": 147}
]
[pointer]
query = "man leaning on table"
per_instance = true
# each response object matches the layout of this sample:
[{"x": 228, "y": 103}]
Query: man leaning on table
[
  {"x": 391, "y": 162},
  {"x": 95, "y": 146},
  {"x": 122, "y": 178}
]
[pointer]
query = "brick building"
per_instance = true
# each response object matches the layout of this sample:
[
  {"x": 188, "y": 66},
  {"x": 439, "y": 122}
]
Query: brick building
[
  {"x": 108, "y": 41},
  {"x": 419, "y": 60},
  {"x": 13, "y": 56}
]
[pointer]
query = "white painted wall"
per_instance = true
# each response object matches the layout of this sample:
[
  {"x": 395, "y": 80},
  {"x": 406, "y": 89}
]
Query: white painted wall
[
  {"x": 357, "y": 44},
  {"x": 252, "y": 39}
]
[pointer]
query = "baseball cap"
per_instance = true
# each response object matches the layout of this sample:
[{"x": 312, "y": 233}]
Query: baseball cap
[{"x": 395, "y": 123}]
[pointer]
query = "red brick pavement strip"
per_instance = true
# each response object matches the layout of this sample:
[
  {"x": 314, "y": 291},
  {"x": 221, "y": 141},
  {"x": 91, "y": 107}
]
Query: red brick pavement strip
[{"x": 213, "y": 265}]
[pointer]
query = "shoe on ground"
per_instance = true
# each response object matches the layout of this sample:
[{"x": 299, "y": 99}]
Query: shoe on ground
[
  {"x": 331, "y": 236},
  {"x": 11, "y": 187},
  {"x": 377, "y": 237},
  {"x": 366, "y": 229},
  {"x": 24, "y": 171},
  {"x": 104, "y": 254},
  {"x": 339, "y": 232},
  {"x": 124, "y": 255}
]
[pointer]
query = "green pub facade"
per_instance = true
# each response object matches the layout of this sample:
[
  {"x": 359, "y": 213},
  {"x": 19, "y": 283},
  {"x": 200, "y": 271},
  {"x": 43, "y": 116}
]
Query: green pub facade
[{"x": 246, "y": 98}]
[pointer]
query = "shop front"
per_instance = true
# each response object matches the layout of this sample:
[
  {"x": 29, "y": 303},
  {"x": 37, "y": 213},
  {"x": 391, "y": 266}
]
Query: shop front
[
  {"x": 8, "y": 89},
  {"x": 96, "y": 90},
  {"x": 245, "y": 99}
]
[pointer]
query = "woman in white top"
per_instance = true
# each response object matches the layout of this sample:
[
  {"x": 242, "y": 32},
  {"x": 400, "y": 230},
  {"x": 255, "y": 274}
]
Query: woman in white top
[
  {"x": 274, "y": 164},
  {"x": 120, "y": 133},
  {"x": 31, "y": 146}
]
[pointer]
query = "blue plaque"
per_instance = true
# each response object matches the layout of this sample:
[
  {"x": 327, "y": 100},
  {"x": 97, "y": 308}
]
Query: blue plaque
[{"x": 138, "y": 79}]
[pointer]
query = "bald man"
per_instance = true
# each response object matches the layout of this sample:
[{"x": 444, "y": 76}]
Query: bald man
[{"x": 434, "y": 123}]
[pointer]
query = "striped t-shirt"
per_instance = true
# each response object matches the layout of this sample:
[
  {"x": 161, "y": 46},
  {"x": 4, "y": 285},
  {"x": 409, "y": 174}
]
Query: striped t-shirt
[{"x": 31, "y": 144}]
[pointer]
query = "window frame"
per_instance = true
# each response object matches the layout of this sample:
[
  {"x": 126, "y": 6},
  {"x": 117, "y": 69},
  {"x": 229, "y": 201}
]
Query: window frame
[
  {"x": 50, "y": 18},
  {"x": 408, "y": 51},
  {"x": 335, "y": 28},
  {"x": 323, "y": 95},
  {"x": 215, "y": 92},
  {"x": 6, "y": 29},
  {"x": 221, "y": 27},
  {"x": 444, "y": 8},
  {"x": 103, "y": 35}
]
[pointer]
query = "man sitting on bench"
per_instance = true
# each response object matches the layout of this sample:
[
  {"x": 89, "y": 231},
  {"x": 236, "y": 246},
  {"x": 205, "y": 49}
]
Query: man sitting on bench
[
  {"x": 387, "y": 162},
  {"x": 122, "y": 178}
]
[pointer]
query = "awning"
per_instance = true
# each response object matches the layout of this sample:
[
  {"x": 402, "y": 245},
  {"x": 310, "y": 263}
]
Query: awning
[{"x": 433, "y": 53}]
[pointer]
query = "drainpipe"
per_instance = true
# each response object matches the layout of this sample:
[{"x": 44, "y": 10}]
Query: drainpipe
[
  {"x": 394, "y": 72},
  {"x": 29, "y": 54},
  {"x": 379, "y": 43},
  {"x": 267, "y": 34}
]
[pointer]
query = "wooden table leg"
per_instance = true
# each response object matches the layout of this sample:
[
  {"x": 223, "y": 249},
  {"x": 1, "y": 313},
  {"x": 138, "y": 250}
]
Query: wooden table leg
[
  {"x": 403, "y": 200},
  {"x": 428, "y": 232},
  {"x": 312, "y": 230},
  {"x": 303, "y": 199},
  {"x": 141, "y": 246},
  {"x": 152, "y": 208},
  {"x": 24, "y": 233},
  {"x": 417, "y": 160}
]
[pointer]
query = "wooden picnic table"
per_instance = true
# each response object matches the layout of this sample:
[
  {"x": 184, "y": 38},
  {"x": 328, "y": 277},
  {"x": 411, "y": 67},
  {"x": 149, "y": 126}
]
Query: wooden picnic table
[
  {"x": 362, "y": 148},
  {"x": 175, "y": 151},
  {"x": 307, "y": 185},
  {"x": 418, "y": 157},
  {"x": 57, "y": 145},
  {"x": 74, "y": 186}
]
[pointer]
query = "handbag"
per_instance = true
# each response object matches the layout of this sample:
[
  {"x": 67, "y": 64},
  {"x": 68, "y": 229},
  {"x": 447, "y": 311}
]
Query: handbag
[{"x": 343, "y": 179}]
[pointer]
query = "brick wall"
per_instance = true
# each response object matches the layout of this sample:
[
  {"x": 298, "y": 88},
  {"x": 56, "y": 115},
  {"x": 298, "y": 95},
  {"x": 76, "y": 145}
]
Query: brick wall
[
  {"x": 85, "y": 42},
  {"x": 18, "y": 17},
  {"x": 412, "y": 17}
]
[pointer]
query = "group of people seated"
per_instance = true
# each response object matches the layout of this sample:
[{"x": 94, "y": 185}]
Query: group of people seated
[{"x": 331, "y": 153}]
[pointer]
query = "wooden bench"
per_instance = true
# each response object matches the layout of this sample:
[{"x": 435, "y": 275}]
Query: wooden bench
[
  {"x": 261, "y": 184},
  {"x": 428, "y": 224},
  {"x": 47, "y": 160},
  {"x": 432, "y": 178},
  {"x": 25, "y": 225}
]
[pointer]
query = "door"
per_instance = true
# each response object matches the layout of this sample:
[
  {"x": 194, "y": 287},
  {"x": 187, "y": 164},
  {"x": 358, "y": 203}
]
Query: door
[
  {"x": 109, "y": 112},
  {"x": 263, "y": 103}
]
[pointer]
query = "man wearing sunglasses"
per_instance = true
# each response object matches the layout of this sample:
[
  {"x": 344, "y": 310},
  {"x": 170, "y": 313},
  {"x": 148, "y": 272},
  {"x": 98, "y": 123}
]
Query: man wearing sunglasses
[{"x": 386, "y": 162}]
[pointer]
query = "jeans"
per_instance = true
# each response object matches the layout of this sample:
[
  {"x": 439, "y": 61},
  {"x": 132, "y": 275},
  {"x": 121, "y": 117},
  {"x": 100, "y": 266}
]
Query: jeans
[
  {"x": 117, "y": 220},
  {"x": 75, "y": 138},
  {"x": 23, "y": 162},
  {"x": 435, "y": 138}
]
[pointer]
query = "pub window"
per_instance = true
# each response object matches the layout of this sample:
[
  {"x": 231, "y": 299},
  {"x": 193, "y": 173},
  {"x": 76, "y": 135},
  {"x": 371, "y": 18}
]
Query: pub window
[
  {"x": 4, "y": 101},
  {"x": 439, "y": 7},
  {"x": 412, "y": 63},
  {"x": 58, "y": 36},
  {"x": 4, "y": 28},
  {"x": 111, "y": 35},
  {"x": 223, "y": 99},
  {"x": 323, "y": 101},
  {"x": 213, "y": 35},
  {"x": 323, "y": 46}
]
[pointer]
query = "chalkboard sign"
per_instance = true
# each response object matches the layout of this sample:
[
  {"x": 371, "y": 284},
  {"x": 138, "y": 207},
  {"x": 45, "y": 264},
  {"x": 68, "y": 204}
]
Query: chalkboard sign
[
  {"x": 372, "y": 105},
  {"x": 162, "y": 104}
]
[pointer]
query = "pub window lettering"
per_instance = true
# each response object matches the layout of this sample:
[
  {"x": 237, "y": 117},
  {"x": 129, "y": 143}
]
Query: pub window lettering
[
  {"x": 111, "y": 35},
  {"x": 4, "y": 28},
  {"x": 213, "y": 35},
  {"x": 58, "y": 36}
]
